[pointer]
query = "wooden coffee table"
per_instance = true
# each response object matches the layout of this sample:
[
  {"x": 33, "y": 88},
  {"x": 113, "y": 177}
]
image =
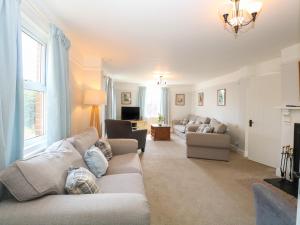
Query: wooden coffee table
[{"x": 160, "y": 132}]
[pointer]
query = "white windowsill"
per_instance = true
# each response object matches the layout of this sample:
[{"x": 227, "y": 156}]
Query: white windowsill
[{"x": 34, "y": 146}]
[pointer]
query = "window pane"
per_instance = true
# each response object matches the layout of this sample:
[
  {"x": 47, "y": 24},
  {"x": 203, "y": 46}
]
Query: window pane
[
  {"x": 32, "y": 52},
  {"x": 33, "y": 114}
]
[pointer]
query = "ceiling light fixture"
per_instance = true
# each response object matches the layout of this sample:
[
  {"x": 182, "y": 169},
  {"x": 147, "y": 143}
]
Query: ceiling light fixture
[
  {"x": 238, "y": 14},
  {"x": 161, "y": 82}
]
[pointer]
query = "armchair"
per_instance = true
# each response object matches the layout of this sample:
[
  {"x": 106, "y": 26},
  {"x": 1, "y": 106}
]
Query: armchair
[{"x": 123, "y": 129}]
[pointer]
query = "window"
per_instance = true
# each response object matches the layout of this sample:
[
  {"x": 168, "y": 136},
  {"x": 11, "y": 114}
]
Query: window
[
  {"x": 153, "y": 100},
  {"x": 33, "y": 53}
]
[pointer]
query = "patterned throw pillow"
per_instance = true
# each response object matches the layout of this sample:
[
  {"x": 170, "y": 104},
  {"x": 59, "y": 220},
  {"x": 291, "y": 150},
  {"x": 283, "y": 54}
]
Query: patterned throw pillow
[
  {"x": 184, "y": 121},
  {"x": 191, "y": 122},
  {"x": 201, "y": 128},
  {"x": 208, "y": 129},
  {"x": 96, "y": 161},
  {"x": 105, "y": 148},
  {"x": 81, "y": 181}
]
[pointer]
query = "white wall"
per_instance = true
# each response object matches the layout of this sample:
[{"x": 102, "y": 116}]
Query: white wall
[
  {"x": 84, "y": 73},
  {"x": 125, "y": 87},
  {"x": 233, "y": 114},
  {"x": 176, "y": 112},
  {"x": 180, "y": 112}
]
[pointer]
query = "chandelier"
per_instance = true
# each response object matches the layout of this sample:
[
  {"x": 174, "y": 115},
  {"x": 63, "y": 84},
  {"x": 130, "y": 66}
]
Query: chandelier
[
  {"x": 161, "y": 82},
  {"x": 238, "y": 14}
]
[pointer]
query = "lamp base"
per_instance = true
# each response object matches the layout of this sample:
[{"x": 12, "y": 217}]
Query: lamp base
[{"x": 94, "y": 120}]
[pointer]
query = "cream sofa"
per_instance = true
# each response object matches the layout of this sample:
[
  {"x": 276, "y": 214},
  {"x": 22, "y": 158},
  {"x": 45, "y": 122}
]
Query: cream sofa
[
  {"x": 207, "y": 145},
  {"x": 180, "y": 127},
  {"x": 122, "y": 200}
]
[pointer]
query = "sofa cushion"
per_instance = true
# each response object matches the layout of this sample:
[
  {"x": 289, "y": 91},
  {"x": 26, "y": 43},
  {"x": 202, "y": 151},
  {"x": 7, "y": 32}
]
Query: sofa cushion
[
  {"x": 180, "y": 128},
  {"x": 184, "y": 121},
  {"x": 201, "y": 128},
  {"x": 42, "y": 174},
  {"x": 82, "y": 142},
  {"x": 81, "y": 181},
  {"x": 96, "y": 161},
  {"x": 191, "y": 122},
  {"x": 105, "y": 148},
  {"x": 219, "y": 127},
  {"x": 131, "y": 183},
  {"x": 208, "y": 130},
  {"x": 126, "y": 163}
]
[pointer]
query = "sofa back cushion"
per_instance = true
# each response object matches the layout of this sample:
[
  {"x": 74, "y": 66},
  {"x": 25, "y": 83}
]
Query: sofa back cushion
[
  {"x": 42, "y": 174},
  {"x": 82, "y": 142}
]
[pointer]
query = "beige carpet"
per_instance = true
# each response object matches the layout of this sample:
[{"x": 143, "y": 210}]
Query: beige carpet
[{"x": 184, "y": 191}]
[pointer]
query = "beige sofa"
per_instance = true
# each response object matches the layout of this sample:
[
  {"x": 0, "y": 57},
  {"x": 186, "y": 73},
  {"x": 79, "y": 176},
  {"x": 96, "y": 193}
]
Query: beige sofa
[
  {"x": 207, "y": 145},
  {"x": 180, "y": 126},
  {"x": 122, "y": 200}
]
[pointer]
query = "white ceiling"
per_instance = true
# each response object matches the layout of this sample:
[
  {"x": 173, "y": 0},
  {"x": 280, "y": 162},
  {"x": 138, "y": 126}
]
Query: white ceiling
[{"x": 184, "y": 37}]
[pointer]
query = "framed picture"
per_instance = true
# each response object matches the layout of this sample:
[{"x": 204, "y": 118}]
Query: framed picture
[
  {"x": 180, "y": 99},
  {"x": 221, "y": 97},
  {"x": 200, "y": 98},
  {"x": 126, "y": 98}
]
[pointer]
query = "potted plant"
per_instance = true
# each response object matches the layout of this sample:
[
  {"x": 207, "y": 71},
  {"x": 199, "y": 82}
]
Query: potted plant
[{"x": 160, "y": 119}]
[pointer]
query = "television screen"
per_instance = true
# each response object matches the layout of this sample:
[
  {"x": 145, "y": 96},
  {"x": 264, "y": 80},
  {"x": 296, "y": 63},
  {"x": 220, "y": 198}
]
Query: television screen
[{"x": 130, "y": 113}]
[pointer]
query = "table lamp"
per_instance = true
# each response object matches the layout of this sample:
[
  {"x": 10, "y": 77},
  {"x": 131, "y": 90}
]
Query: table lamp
[{"x": 95, "y": 98}]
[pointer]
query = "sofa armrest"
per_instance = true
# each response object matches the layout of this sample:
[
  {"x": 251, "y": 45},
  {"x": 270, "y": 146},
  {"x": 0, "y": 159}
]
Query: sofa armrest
[
  {"x": 123, "y": 146},
  {"x": 271, "y": 208},
  {"x": 192, "y": 128},
  {"x": 210, "y": 140},
  {"x": 92, "y": 209}
]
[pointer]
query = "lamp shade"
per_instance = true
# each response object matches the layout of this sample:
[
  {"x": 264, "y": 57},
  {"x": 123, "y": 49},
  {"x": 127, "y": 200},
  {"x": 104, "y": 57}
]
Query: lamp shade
[{"x": 94, "y": 97}]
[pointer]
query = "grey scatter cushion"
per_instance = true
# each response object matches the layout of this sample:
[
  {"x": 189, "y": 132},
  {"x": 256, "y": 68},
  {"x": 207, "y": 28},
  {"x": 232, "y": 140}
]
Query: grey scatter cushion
[
  {"x": 105, "y": 148},
  {"x": 201, "y": 128},
  {"x": 191, "y": 122},
  {"x": 81, "y": 181},
  {"x": 198, "y": 121},
  {"x": 184, "y": 121},
  {"x": 42, "y": 174},
  {"x": 208, "y": 129},
  {"x": 96, "y": 161},
  {"x": 220, "y": 128}
]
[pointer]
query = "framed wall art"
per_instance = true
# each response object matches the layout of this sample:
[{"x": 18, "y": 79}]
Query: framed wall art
[
  {"x": 180, "y": 99},
  {"x": 126, "y": 98},
  {"x": 200, "y": 98},
  {"x": 221, "y": 97}
]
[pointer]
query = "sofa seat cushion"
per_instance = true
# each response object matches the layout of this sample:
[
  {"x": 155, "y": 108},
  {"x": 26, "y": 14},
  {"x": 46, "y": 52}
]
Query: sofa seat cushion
[
  {"x": 122, "y": 183},
  {"x": 126, "y": 163},
  {"x": 180, "y": 128}
]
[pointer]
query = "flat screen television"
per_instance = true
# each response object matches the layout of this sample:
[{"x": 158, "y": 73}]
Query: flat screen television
[{"x": 130, "y": 113}]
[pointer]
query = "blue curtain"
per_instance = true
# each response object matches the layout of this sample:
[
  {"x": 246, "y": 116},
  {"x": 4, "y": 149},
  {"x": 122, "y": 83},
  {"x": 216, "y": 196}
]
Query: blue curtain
[
  {"x": 58, "y": 90},
  {"x": 110, "y": 107},
  {"x": 142, "y": 101},
  {"x": 11, "y": 84},
  {"x": 164, "y": 105},
  {"x": 109, "y": 89}
]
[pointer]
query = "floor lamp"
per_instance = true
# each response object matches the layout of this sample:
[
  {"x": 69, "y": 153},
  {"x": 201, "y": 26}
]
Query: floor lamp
[{"x": 95, "y": 98}]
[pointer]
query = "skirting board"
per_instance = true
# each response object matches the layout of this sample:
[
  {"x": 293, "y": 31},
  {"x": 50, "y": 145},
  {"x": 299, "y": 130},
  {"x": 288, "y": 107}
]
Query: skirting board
[{"x": 238, "y": 150}]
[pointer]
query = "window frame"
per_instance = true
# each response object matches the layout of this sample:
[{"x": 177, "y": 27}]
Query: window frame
[{"x": 35, "y": 145}]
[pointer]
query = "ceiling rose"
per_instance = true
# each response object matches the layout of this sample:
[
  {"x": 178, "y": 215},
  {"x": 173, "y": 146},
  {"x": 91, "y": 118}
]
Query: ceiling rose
[{"x": 239, "y": 14}]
